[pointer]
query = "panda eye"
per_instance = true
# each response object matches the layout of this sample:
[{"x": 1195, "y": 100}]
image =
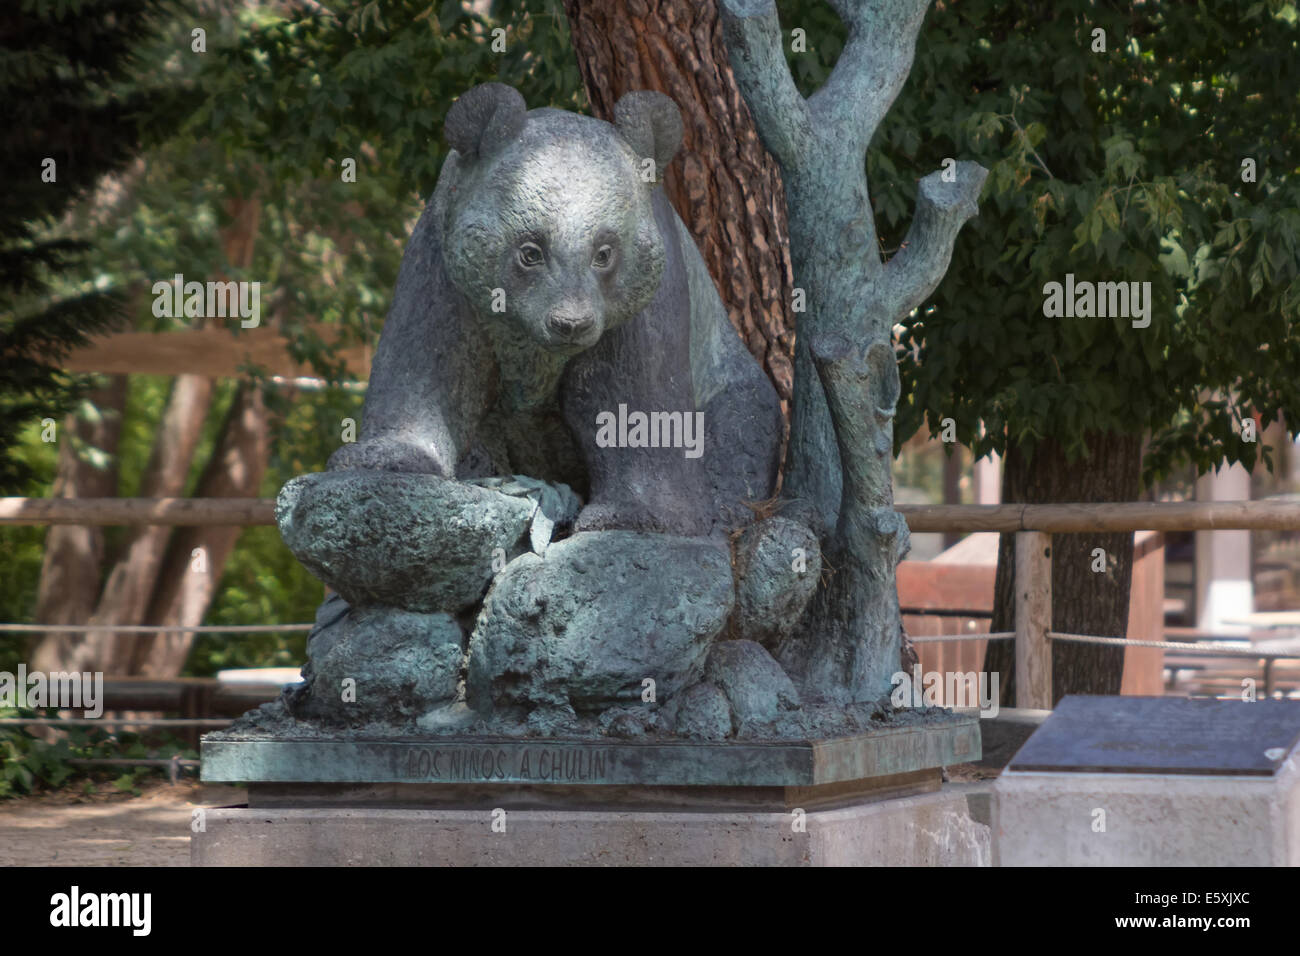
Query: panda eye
[
  {"x": 603, "y": 258},
  {"x": 530, "y": 254}
]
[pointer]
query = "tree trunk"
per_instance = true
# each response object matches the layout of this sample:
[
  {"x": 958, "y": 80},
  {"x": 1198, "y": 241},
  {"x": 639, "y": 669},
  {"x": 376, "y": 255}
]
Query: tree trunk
[
  {"x": 195, "y": 560},
  {"x": 723, "y": 184},
  {"x": 131, "y": 582},
  {"x": 74, "y": 556},
  {"x": 1084, "y": 600}
]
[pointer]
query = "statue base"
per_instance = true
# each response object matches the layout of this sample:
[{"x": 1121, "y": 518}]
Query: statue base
[
  {"x": 932, "y": 829},
  {"x": 463, "y": 758},
  {"x": 873, "y": 798}
]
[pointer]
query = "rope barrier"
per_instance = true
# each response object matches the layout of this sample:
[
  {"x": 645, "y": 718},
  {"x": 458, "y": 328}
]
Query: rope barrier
[
  {"x": 1213, "y": 649},
  {"x": 115, "y": 722},
  {"x": 942, "y": 638},
  {"x": 1216, "y": 649}
]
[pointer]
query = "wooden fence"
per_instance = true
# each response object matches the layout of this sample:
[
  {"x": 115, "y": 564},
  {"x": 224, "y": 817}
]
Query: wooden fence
[
  {"x": 1055, "y": 518},
  {"x": 1033, "y": 526}
]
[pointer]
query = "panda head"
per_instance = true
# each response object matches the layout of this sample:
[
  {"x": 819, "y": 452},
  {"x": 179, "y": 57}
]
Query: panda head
[{"x": 547, "y": 222}]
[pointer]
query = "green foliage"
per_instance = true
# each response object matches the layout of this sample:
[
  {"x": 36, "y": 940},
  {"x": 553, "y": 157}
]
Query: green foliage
[
  {"x": 22, "y": 548},
  {"x": 29, "y": 764},
  {"x": 296, "y": 94},
  {"x": 67, "y": 81},
  {"x": 1123, "y": 165}
]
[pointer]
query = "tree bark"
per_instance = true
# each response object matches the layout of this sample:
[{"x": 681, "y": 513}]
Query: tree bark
[
  {"x": 74, "y": 555},
  {"x": 952, "y": 470},
  {"x": 1084, "y": 601},
  {"x": 723, "y": 184}
]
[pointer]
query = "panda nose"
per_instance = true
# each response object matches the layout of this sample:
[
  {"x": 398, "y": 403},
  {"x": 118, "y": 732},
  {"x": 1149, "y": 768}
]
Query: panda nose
[{"x": 570, "y": 324}]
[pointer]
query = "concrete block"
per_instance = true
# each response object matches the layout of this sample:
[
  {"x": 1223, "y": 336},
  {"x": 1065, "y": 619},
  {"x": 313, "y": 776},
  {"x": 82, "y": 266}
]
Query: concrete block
[
  {"x": 933, "y": 829},
  {"x": 1055, "y": 819}
]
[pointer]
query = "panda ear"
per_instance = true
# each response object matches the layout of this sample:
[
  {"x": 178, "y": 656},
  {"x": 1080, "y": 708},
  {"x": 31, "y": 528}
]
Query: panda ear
[
  {"x": 652, "y": 125},
  {"x": 484, "y": 119}
]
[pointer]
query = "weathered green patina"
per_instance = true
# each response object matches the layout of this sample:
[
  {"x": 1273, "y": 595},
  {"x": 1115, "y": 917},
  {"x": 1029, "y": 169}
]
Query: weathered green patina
[
  {"x": 547, "y": 543},
  {"x": 472, "y": 758}
]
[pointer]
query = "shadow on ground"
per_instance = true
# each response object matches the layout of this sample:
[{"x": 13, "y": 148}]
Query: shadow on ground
[{"x": 63, "y": 829}]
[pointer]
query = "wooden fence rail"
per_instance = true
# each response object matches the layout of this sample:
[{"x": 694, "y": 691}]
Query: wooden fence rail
[
  {"x": 188, "y": 512},
  {"x": 1107, "y": 516},
  {"x": 1055, "y": 518},
  {"x": 1033, "y": 526}
]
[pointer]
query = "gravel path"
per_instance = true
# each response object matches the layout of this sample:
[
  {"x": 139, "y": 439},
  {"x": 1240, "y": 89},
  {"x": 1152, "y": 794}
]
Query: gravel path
[{"x": 106, "y": 829}]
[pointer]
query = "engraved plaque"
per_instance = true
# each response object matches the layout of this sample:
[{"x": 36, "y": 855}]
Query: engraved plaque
[
  {"x": 470, "y": 759},
  {"x": 1170, "y": 735}
]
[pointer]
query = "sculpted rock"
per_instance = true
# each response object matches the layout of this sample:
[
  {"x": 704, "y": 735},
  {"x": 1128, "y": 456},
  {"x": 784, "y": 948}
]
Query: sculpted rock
[
  {"x": 701, "y": 712},
  {"x": 754, "y": 684},
  {"x": 627, "y": 722},
  {"x": 778, "y": 566},
  {"x": 402, "y": 665},
  {"x": 598, "y": 614},
  {"x": 414, "y": 541}
]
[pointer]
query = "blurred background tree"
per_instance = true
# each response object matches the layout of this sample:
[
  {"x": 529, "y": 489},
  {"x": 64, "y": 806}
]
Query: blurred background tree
[
  {"x": 76, "y": 112},
  {"x": 1126, "y": 142}
]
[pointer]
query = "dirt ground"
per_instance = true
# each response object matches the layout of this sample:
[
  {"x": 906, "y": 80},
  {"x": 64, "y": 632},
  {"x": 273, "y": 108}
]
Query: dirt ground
[{"x": 108, "y": 828}]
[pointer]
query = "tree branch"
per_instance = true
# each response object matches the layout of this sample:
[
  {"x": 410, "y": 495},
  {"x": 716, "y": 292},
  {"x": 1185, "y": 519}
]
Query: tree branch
[
  {"x": 752, "y": 32},
  {"x": 873, "y": 66},
  {"x": 942, "y": 208}
]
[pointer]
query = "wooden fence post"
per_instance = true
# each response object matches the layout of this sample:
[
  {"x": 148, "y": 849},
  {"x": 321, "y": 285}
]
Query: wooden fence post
[{"x": 1033, "y": 619}]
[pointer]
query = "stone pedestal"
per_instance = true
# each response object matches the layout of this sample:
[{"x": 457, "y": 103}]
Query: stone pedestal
[
  {"x": 1154, "y": 782},
  {"x": 932, "y": 829},
  {"x": 868, "y": 799},
  {"x": 1046, "y": 819}
]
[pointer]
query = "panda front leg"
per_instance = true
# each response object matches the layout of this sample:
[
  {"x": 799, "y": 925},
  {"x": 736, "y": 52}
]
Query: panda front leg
[{"x": 630, "y": 407}]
